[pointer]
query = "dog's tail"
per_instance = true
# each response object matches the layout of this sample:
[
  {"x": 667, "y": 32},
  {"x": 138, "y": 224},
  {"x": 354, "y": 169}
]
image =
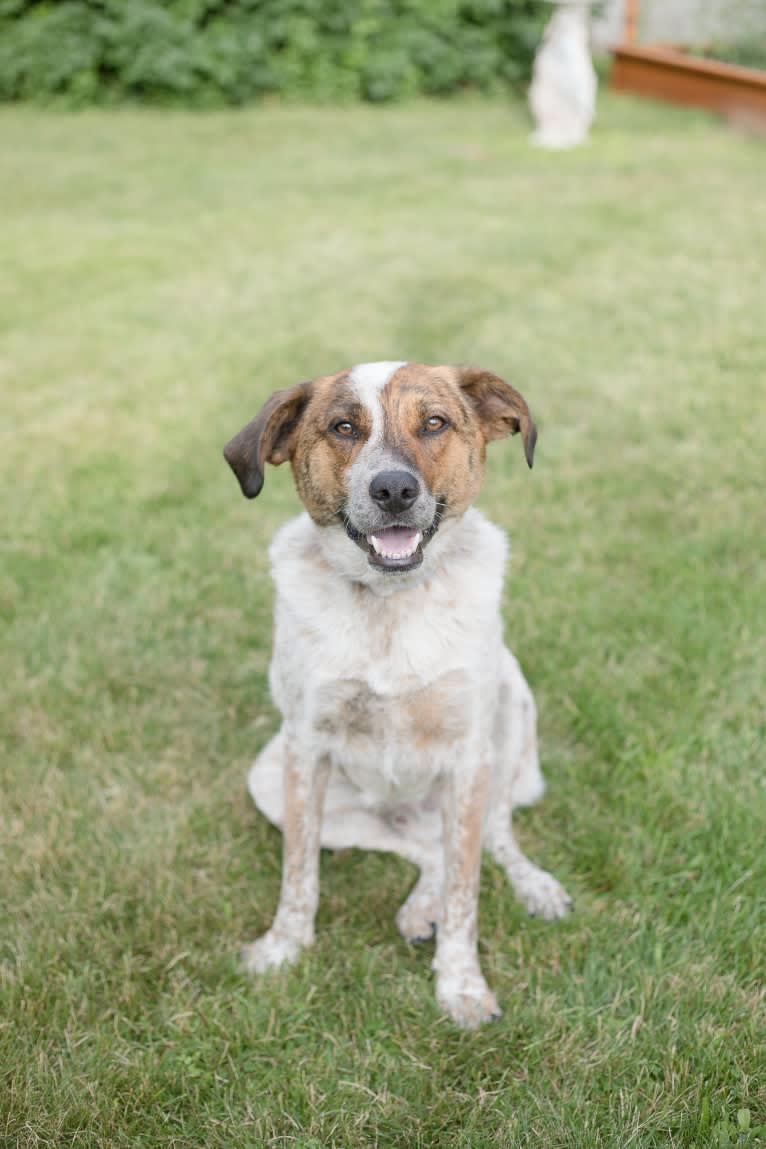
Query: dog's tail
[{"x": 528, "y": 784}]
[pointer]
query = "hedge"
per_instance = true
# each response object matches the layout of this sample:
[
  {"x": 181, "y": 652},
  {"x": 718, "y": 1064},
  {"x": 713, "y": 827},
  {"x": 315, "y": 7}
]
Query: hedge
[{"x": 234, "y": 51}]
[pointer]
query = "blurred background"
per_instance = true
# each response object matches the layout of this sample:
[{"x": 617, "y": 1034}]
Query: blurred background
[
  {"x": 215, "y": 52},
  {"x": 203, "y": 201},
  {"x": 728, "y": 26}
]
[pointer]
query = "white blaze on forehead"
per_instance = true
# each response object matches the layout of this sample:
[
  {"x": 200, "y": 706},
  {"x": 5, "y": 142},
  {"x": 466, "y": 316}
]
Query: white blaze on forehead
[
  {"x": 368, "y": 380},
  {"x": 374, "y": 376}
]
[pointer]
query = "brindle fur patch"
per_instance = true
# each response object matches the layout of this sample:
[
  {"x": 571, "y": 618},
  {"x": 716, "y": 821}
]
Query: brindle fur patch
[
  {"x": 452, "y": 461},
  {"x": 297, "y": 424},
  {"x": 349, "y": 709},
  {"x": 501, "y": 409},
  {"x": 321, "y": 459}
]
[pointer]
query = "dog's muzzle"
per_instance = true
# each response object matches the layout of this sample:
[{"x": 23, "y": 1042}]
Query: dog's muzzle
[{"x": 395, "y": 548}]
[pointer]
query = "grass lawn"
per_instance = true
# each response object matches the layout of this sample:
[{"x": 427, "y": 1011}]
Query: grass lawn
[{"x": 160, "y": 275}]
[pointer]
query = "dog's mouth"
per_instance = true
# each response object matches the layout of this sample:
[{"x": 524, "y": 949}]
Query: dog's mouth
[{"x": 396, "y": 548}]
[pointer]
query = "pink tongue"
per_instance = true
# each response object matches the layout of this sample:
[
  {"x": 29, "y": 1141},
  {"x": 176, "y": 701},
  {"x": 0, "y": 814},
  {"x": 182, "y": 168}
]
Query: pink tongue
[{"x": 396, "y": 538}]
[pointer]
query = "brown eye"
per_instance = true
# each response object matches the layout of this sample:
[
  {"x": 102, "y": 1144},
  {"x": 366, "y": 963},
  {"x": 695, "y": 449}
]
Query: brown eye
[
  {"x": 434, "y": 424},
  {"x": 345, "y": 429}
]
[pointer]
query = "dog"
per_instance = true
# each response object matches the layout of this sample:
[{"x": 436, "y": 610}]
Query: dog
[{"x": 407, "y": 723}]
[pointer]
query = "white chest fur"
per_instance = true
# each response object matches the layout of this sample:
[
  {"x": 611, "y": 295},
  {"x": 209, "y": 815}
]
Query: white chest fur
[{"x": 394, "y": 686}]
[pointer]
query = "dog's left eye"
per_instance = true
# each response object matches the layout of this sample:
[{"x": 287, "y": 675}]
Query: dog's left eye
[
  {"x": 345, "y": 429},
  {"x": 433, "y": 424}
]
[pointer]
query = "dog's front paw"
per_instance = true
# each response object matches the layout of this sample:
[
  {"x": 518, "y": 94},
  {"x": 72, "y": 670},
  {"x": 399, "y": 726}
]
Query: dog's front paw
[
  {"x": 543, "y": 896},
  {"x": 467, "y": 999},
  {"x": 272, "y": 950}
]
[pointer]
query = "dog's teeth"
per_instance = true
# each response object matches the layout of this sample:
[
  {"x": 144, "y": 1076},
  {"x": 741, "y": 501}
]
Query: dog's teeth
[{"x": 378, "y": 548}]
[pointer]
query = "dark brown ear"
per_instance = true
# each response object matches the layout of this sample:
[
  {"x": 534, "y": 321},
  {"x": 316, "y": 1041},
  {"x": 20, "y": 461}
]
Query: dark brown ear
[
  {"x": 501, "y": 409},
  {"x": 268, "y": 438}
]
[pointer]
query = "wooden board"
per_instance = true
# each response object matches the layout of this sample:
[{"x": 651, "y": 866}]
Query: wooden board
[{"x": 667, "y": 73}]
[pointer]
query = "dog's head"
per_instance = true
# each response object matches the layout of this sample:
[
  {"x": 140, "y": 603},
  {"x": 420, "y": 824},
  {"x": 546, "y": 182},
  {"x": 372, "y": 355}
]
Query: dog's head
[{"x": 388, "y": 451}]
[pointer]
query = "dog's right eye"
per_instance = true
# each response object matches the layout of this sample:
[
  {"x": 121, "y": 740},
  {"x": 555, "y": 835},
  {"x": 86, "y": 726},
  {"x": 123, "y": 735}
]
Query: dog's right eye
[{"x": 345, "y": 429}]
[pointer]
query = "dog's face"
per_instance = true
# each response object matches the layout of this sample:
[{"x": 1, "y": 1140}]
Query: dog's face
[{"x": 387, "y": 450}]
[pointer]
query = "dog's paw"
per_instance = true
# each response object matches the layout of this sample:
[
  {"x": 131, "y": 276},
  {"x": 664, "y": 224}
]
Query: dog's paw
[
  {"x": 467, "y": 999},
  {"x": 272, "y": 950},
  {"x": 543, "y": 896},
  {"x": 416, "y": 919}
]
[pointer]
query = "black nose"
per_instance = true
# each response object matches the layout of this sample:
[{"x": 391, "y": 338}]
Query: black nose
[{"x": 394, "y": 490}]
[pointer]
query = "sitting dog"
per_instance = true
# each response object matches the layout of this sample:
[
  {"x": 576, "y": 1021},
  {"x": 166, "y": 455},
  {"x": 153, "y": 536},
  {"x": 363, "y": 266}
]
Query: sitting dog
[{"x": 407, "y": 724}]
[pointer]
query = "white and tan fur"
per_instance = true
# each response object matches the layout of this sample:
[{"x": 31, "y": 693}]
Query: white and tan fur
[{"x": 407, "y": 724}]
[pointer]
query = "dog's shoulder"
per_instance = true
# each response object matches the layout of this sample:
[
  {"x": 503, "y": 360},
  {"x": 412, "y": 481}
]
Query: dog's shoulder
[
  {"x": 480, "y": 544},
  {"x": 304, "y": 580},
  {"x": 471, "y": 566},
  {"x": 292, "y": 544}
]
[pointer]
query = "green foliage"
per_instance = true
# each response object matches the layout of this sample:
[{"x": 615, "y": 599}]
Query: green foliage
[
  {"x": 748, "y": 53},
  {"x": 233, "y": 51}
]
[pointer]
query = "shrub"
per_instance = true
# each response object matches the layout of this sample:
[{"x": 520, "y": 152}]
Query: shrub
[{"x": 232, "y": 51}]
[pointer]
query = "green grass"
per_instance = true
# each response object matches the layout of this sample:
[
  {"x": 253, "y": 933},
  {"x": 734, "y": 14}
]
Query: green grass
[{"x": 160, "y": 274}]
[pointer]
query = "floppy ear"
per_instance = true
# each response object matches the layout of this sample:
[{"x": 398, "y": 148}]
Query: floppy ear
[
  {"x": 501, "y": 409},
  {"x": 268, "y": 438}
]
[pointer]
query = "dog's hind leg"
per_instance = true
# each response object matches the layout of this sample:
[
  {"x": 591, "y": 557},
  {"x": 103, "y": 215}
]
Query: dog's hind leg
[
  {"x": 517, "y": 781},
  {"x": 413, "y": 831},
  {"x": 515, "y": 737},
  {"x": 535, "y": 888},
  {"x": 418, "y": 917}
]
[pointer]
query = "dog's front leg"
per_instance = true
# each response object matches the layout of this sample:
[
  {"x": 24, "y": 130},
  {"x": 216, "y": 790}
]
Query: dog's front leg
[
  {"x": 305, "y": 782},
  {"x": 460, "y": 985}
]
